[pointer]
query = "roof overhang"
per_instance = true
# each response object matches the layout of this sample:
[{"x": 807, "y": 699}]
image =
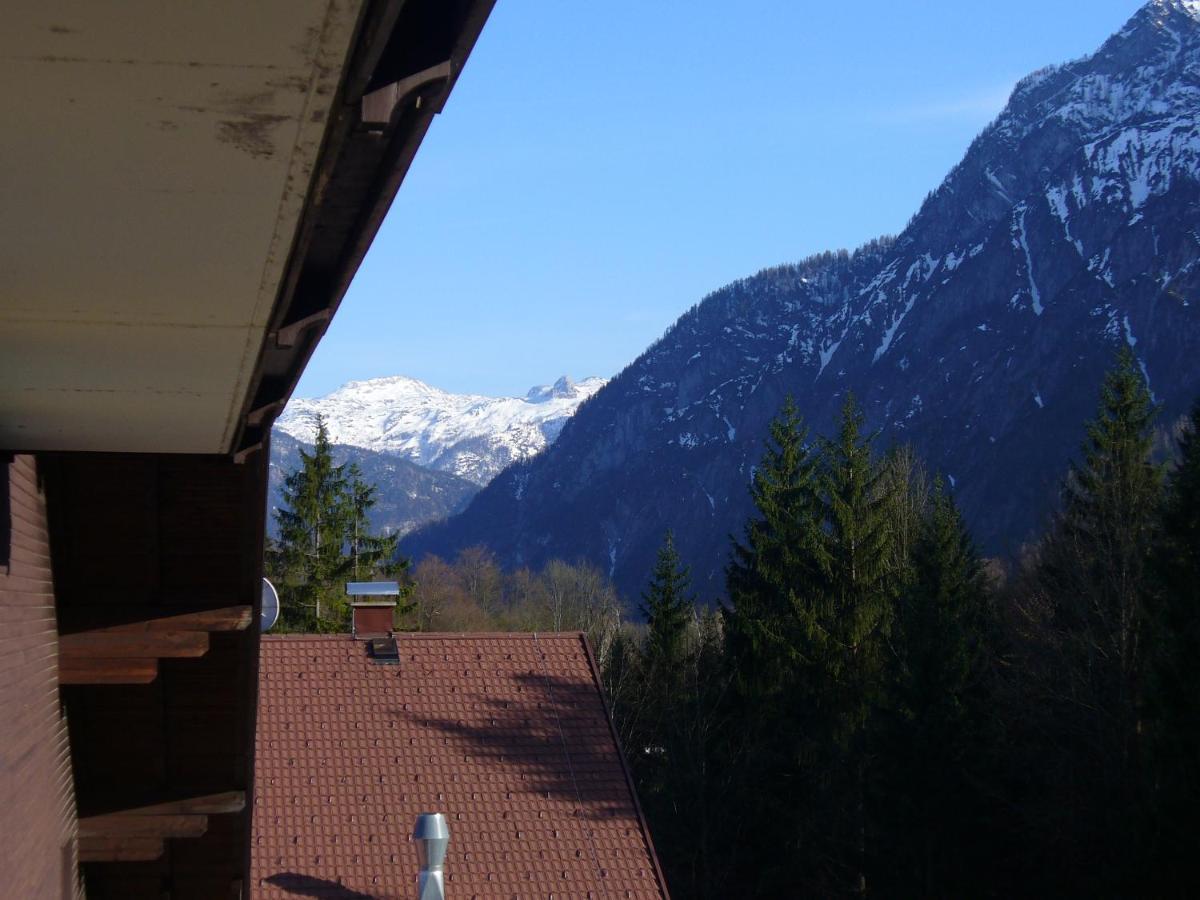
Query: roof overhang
[{"x": 188, "y": 190}]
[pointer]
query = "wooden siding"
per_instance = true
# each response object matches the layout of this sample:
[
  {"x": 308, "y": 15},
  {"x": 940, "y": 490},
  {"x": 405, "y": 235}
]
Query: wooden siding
[{"x": 37, "y": 802}]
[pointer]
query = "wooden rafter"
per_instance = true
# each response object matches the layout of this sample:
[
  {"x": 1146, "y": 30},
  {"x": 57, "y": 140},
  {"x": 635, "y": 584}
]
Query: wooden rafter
[
  {"x": 133, "y": 619},
  {"x": 119, "y": 825},
  {"x": 111, "y": 670},
  {"x": 122, "y": 645},
  {"x": 207, "y": 804},
  {"x": 125, "y": 849},
  {"x": 140, "y": 833},
  {"x": 153, "y": 644}
]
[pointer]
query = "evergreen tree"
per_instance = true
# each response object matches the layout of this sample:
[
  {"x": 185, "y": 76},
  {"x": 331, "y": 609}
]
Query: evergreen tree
[
  {"x": 847, "y": 626},
  {"x": 1095, "y": 560},
  {"x": 692, "y": 791},
  {"x": 938, "y": 729},
  {"x": 324, "y": 539},
  {"x": 662, "y": 722},
  {"x": 367, "y": 552},
  {"x": 375, "y": 554},
  {"x": 776, "y": 564},
  {"x": 1093, "y": 569},
  {"x": 668, "y": 610},
  {"x": 943, "y": 614},
  {"x": 1174, "y": 705},
  {"x": 813, "y": 592},
  {"x": 769, "y": 578},
  {"x": 313, "y": 522}
]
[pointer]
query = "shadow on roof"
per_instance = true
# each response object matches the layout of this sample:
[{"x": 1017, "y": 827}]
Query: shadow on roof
[
  {"x": 560, "y": 740},
  {"x": 307, "y": 886}
]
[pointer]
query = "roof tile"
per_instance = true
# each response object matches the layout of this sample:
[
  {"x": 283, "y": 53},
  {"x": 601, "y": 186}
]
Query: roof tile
[{"x": 507, "y": 735}]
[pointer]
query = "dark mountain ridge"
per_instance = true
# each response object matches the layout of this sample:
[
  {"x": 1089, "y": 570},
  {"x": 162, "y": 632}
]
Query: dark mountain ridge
[
  {"x": 979, "y": 335},
  {"x": 407, "y": 496}
]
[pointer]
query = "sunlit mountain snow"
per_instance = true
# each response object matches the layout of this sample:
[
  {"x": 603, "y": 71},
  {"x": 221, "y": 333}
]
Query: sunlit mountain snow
[{"x": 468, "y": 435}]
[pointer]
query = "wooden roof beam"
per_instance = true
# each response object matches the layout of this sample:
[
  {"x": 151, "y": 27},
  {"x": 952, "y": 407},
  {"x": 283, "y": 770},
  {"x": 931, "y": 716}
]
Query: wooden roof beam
[
  {"x": 166, "y": 805},
  {"x": 137, "y": 619},
  {"x": 131, "y": 644},
  {"x": 125, "y": 825},
  {"x": 125, "y": 849},
  {"x": 139, "y": 834},
  {"x": 112, "y": 670}
]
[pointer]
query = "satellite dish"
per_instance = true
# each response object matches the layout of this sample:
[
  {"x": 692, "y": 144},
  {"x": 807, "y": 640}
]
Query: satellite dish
[{"x": 270, "y": 607}]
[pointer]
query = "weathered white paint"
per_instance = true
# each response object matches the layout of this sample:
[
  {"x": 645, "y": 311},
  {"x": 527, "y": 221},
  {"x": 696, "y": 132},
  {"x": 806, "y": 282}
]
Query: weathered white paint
[{"x": 154, "y": 160}]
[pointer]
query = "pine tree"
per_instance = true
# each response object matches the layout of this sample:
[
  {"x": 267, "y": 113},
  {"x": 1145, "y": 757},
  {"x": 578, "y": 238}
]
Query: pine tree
[
  {"x": 1174, "y": 702},
  {"x": 668, "y": 610},
  {"x": 661, "y": 722},
  {"x": 813, "y": 592},
  {"x": 1095, "y": 560},
  {"x": 374, "y": 554},
  {"x": 313, "y": 522},
  {"x": 943, "y": 612},
  {"x": 771, "y": 575},
  {"x": 776, "y": 565},
  {"x": 1093, "y": 569},
  {"x": 847, "y": 626},
  {"x": 1110, "y": 505},
  {"x": 937, "y": 733},
  {"x": 325, "y": 539}
]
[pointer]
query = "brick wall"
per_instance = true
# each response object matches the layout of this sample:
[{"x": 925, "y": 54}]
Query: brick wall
[{"x": 37, "y": 803}]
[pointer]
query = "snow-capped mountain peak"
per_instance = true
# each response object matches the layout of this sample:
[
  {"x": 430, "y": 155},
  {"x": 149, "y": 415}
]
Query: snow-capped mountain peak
[
  {"x": 1191, "y": 7},
  {"x": 978, "y": 335},
  {"x": 564, "y": 389},
  {"x": 469, "y": 435}
]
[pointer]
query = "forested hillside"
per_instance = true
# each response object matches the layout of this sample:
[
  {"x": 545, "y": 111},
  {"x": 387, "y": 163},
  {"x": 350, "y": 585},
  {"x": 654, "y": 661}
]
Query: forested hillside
[{"x": 1070, "y": 228}]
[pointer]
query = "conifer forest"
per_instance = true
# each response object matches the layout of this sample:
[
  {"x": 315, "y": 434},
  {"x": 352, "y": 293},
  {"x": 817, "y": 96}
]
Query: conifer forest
[{"x": 873, "y": 708}]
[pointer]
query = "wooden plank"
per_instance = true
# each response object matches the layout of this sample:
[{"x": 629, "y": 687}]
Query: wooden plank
[
  {"x": 120, "y": 825},
  {"x": 202, "y": 804},
  {"x": 101, "y": 644},
  {"x": 107, "y": 671},
  {"x": 140, "y": 619},
  {"x": 140, "y": 849}
]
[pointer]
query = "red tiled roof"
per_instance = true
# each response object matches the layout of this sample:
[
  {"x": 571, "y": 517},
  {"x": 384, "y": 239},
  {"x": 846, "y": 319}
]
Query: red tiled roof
[{"x": 507, "y": 734}]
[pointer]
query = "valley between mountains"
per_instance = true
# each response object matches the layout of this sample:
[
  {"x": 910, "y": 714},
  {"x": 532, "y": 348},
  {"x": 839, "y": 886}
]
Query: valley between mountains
[{"x": 978, "y": 335}]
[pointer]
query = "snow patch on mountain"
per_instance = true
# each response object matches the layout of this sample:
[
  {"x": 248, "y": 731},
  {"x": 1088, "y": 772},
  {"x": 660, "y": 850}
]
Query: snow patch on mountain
[
  {"x": 1068, "y": 228},
  {"x": 469, "y": 435},
  {"x": 1035, "y": 296}
]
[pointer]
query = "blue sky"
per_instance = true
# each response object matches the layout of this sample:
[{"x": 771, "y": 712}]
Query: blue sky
[{"x": 601, "y": 166}]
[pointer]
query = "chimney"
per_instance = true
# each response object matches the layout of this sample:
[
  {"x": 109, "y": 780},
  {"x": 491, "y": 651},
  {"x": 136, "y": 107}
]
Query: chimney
[
  {"x": 372, "y": 619},
  {"x": 432, "y": 837},
  {"x": 372, "y": 608}
]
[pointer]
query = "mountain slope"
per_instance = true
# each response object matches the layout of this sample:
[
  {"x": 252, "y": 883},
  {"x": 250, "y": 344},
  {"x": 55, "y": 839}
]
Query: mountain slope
[
  {"x": 980, "y": 334},
  {"x": 408, "y": 495},
  {"x": 467, "y": 435}
]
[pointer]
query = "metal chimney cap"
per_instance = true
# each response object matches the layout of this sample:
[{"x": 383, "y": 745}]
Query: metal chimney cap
[
  {"x": 431, "y": 837},
  {"x": 372, "y": 588},
  {"x": 431, "y": 827}
]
